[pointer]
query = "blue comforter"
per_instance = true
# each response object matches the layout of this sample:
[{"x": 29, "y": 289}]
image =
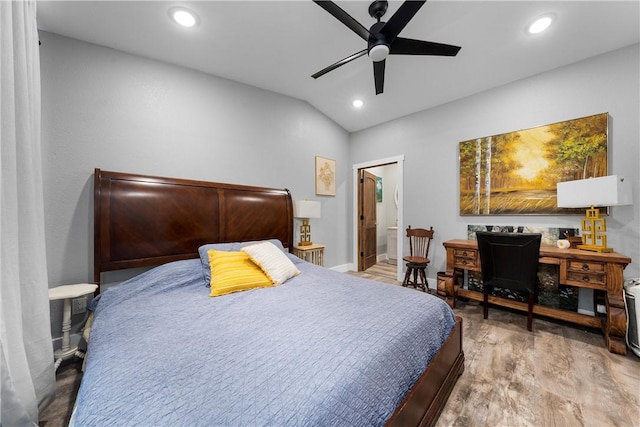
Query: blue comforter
[{"x": 324, "y": 348}]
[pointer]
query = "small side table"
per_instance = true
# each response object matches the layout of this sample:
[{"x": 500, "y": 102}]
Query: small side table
[
  {"x": 313, "y": 253},
  {"x": 67, "y": 293}
]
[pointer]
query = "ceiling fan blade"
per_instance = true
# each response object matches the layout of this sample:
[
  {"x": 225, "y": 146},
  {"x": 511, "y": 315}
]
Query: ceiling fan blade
[
  {"x": 400, "y": 19},
  {"x": 378, "y": 76},
  {"x": 344, "y": 17},
  {"x": 402, "y": 46},
  {"x": 339, "y": 63}
]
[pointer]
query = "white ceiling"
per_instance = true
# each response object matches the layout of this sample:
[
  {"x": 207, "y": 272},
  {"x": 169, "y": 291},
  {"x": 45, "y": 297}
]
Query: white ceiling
[{"x": 277, "y": 45}]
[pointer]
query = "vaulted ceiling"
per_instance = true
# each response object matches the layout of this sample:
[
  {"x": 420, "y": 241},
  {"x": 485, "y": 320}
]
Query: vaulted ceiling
[{"x": 277, "y": 45}]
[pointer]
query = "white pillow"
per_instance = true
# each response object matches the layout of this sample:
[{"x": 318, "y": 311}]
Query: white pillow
[{"x": 272, "y": 261}]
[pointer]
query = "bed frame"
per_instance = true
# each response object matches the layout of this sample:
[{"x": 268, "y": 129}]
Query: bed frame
[
  {"x": 147, "y": 221},
  {"x": 144, "y": 220}
]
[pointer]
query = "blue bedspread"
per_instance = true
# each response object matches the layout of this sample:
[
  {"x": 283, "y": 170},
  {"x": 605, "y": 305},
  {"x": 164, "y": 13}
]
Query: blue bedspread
[{"x": 325, "y": 348}]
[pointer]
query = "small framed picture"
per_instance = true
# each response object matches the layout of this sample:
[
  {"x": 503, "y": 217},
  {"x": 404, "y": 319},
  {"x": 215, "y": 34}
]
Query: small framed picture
[
  {"x": 325, "y": 176},
  {"x": 379, "y": 189}
]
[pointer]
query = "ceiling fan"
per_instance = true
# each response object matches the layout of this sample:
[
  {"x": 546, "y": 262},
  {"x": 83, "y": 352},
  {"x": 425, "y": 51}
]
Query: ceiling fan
[{"x": 382, "y": 38}]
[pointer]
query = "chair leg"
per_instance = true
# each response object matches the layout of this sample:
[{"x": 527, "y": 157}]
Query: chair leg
[
  {"x": 407, "y": 276},
  {"x": 485, "y": 301},
  {"x": 530, "y": 311},
  {"x": 423, "y": 279},
  {"x": 415, "y": 277}
]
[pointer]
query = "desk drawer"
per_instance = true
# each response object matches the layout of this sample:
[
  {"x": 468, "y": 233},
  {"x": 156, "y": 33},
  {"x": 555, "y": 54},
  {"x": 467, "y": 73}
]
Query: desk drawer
[
  {"x": 589, "y": 274},
  {"x": 586, "y": 266},
  {"x": 465, "y": 259}
]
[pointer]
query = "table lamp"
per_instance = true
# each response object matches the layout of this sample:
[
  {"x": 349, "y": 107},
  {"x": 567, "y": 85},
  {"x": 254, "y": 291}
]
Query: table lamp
[
  {"x": 591, "y": 193},
  {"x": 305, "y": 209}
]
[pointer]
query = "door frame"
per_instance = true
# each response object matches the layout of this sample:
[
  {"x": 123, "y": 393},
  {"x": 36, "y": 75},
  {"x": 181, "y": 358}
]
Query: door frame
[{"x": 399, "y": 161}]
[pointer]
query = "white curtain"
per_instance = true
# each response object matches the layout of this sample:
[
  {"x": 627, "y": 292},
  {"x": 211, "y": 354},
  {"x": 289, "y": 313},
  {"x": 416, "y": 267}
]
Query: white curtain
[{"x": 28, "y": 376}]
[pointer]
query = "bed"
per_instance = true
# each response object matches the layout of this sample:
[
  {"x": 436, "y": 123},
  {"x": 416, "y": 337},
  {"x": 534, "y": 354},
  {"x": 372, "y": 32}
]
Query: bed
[{"x": 322, "y": 348}]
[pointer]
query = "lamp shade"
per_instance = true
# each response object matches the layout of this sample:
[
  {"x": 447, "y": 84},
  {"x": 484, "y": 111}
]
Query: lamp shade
[
  {"x": 610, "y": 190},
  {"x": 307, "y": 209}
]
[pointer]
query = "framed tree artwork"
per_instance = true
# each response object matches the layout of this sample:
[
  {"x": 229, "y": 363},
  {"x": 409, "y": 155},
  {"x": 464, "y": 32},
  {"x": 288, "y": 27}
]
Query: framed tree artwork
[{"x": 516, "y": 173}]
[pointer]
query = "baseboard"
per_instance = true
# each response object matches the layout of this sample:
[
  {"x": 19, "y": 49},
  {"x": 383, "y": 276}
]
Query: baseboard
[{"x": 342, "y": 268}]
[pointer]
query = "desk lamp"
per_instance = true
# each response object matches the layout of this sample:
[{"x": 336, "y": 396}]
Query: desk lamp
[
  {"x": 610, "y": 190},
  {"x": 305, "y": 209}
]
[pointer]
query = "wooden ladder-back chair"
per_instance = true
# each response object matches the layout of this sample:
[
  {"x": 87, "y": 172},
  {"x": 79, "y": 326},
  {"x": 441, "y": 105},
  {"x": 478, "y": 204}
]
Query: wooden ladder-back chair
[
  {"x": 418, "y": 260},
  {"x": 509, "y": 261}
]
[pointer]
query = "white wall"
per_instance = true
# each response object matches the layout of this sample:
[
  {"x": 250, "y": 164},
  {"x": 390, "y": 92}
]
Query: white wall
[
  {"x": 429, "y": 140},
  {"x": 107, "y": 109}
]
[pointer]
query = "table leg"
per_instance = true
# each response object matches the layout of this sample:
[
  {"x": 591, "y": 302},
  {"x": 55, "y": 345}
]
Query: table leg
[
  {"x": 615, "y": 328},
  {"x": 66, "y": 351},
  {"x": 450, "y": 290}
]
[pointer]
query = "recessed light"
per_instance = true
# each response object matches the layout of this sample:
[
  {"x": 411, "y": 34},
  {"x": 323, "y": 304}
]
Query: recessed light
[
  {"x": 540, "y": 24},
  {"x": 183, "y": 16},
  {"x": 358, "y": 103}
]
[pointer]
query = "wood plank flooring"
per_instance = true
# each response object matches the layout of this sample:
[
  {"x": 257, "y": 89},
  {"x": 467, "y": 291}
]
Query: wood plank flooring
[
  {"x": 558, "y": 375},
  {"x": 68, "y": 379}
]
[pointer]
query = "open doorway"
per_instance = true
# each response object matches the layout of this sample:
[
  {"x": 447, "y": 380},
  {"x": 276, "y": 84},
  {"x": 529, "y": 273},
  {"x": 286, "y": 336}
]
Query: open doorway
[{"x": 387, "y": 174}]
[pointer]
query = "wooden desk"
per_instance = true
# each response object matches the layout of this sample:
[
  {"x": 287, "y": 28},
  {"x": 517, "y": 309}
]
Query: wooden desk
[{"x": 583, "y": 269}]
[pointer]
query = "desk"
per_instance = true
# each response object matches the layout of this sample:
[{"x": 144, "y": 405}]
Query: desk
[{"x": 583, "y": 269}]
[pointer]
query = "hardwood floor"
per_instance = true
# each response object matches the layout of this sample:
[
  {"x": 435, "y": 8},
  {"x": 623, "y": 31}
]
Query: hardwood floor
[
  {"x": 68, "y": 379},
  {"x": 557, "y": 375},
  {"x": 381, "y": 272}
]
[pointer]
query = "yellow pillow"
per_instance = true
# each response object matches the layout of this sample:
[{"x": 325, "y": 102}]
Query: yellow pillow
[{"x": 234, "y": 272}]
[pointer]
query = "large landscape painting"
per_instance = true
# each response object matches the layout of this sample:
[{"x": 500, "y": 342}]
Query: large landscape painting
[{"x": 516, "y": 173}]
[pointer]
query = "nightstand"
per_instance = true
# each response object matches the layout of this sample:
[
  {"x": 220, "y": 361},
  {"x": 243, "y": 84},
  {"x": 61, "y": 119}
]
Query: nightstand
[
  {"x": 67, "y": 293},
  {"x": 313, "y": 253}
]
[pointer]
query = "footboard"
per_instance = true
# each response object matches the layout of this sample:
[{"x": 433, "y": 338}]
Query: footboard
[{"x": 427, "y": 398}]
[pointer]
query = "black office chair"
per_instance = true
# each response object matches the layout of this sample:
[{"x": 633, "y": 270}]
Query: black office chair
[{"x": 509, "y": 261}]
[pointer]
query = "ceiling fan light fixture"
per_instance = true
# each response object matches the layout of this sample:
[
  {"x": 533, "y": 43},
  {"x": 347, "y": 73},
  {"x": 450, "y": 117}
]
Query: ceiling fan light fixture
[
  {"x": 183, "y": 17},
  {"x": 379, "y": 52},
  {"x": 540, "y": 24}
]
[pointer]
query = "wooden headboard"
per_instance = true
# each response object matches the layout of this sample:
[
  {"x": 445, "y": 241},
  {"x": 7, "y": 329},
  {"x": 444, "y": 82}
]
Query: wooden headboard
[{"x": 147, "y": 220}]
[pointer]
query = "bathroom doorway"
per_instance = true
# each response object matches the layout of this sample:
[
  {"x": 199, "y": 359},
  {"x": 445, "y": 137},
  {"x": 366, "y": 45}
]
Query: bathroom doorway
[{"x": 386, "y": 245}]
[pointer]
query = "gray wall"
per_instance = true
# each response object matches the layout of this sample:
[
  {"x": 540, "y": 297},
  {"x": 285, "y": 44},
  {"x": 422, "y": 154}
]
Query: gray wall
[
  {"x": 429, "y": 141},
  {"x": 107, "y": 109}
]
